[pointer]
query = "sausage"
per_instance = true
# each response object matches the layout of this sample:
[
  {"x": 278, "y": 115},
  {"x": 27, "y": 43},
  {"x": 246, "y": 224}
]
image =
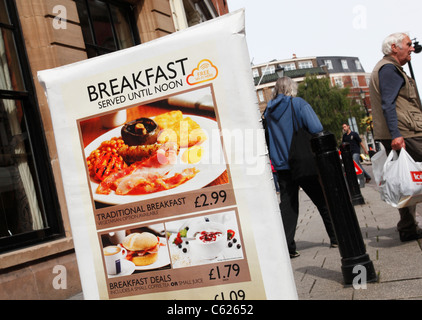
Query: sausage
[{"x": 131, "y": 154}]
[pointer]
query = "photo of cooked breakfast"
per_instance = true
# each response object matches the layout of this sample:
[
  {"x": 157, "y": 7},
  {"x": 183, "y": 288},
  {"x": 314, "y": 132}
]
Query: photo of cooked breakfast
[
  {"x": 161, "y": 148},
  {"x": 136, "y": 250},
  {"x": 205, "y": 239}
]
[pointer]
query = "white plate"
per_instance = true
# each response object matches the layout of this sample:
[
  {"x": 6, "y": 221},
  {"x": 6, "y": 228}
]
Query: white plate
[{"x": 211, "y": 166}]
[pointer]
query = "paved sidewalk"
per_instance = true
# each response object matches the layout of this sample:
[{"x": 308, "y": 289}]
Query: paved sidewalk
[{"x": 318, "y": 273}]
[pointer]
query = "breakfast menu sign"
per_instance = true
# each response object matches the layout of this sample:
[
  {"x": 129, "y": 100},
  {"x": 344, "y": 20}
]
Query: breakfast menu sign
[{"x": 165, "y": 170}]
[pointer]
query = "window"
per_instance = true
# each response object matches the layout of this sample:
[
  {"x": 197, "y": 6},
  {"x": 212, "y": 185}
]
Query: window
[
  {"x": 289, "y": 66},
  {"x": 344, "y": 64},
  {"x": 358, "y": 65},
  {"x": 338, "y": 82},
  {"x": 198, "y": 11},
  {"x": 305, "y": 64},
  {"x": 29, "y": 210},
  {"x": 268, "y": 70},
  {"x": 255, "y": 73},
  {"x": 107, "y": 26},
  {"x": 261, "y": 96},
  {"x": 355, "y": 81},
  {"x": 329, "y": 64}
]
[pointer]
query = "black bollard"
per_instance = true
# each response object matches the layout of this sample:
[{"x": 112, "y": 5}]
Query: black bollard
[
  {"x": 341, "y": 209},
  {"x": 351, "y": 177}
]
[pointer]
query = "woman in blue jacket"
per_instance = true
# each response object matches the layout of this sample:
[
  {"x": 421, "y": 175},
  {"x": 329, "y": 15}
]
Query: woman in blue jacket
[{"x": 280, "y": 128}]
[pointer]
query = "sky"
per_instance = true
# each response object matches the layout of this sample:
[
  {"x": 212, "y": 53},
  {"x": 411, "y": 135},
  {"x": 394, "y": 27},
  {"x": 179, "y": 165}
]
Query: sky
[{"x": 277, "y": 29}]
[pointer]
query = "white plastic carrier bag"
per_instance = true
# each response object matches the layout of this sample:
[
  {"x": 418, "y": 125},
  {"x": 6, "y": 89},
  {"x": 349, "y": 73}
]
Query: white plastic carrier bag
[
  {"x": 378, "y": 161},
  {"x": 399, "y": 180}
]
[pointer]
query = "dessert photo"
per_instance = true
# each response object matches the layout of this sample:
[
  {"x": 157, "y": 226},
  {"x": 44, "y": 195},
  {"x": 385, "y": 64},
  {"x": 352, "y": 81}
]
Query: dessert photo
[{"x": 206, "y": 239}]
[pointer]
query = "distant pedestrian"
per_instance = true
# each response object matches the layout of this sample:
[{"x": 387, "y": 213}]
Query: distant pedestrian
[
  {"x": 279, "y": 121},
  {"x": 397, "y": 114},
  {"x": 355, "y": 143}
]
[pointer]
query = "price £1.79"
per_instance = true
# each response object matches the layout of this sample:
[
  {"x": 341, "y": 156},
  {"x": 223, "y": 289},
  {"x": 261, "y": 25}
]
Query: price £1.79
[{"x": 229, "y": 270}]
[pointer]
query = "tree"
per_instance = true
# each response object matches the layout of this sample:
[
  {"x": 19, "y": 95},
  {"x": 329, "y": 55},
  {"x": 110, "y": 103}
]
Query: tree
[{"x": 331, "y": 104}]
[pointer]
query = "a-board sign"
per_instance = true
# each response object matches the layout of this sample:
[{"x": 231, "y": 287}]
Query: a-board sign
[{"x": 165, "y": 170}]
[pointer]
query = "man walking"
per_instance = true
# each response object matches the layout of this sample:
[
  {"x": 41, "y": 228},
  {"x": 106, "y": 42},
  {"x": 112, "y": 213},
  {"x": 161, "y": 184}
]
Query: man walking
[
  {"x": 355, "y": 143},
  {"x": 397, "y": 114}
]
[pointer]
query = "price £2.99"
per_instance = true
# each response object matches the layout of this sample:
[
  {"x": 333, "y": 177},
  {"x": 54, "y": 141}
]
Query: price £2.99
[{"x": 203, "y": 200}]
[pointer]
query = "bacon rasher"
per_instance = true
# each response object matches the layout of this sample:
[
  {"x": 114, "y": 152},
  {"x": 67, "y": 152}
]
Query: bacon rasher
[{"x": 146, "y": 176}]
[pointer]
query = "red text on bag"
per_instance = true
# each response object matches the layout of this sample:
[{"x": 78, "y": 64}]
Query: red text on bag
[{"x": 416, "y": 176}]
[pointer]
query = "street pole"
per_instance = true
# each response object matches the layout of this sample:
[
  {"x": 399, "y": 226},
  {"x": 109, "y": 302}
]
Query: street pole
[
  {"x": 342, "y": 213},
  {"x": 351, "y": 176}
]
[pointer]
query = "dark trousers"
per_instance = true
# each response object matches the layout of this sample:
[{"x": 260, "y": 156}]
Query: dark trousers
[
  {"x": 407, "y": 224},
  {"x": 289, "y": 205}
]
